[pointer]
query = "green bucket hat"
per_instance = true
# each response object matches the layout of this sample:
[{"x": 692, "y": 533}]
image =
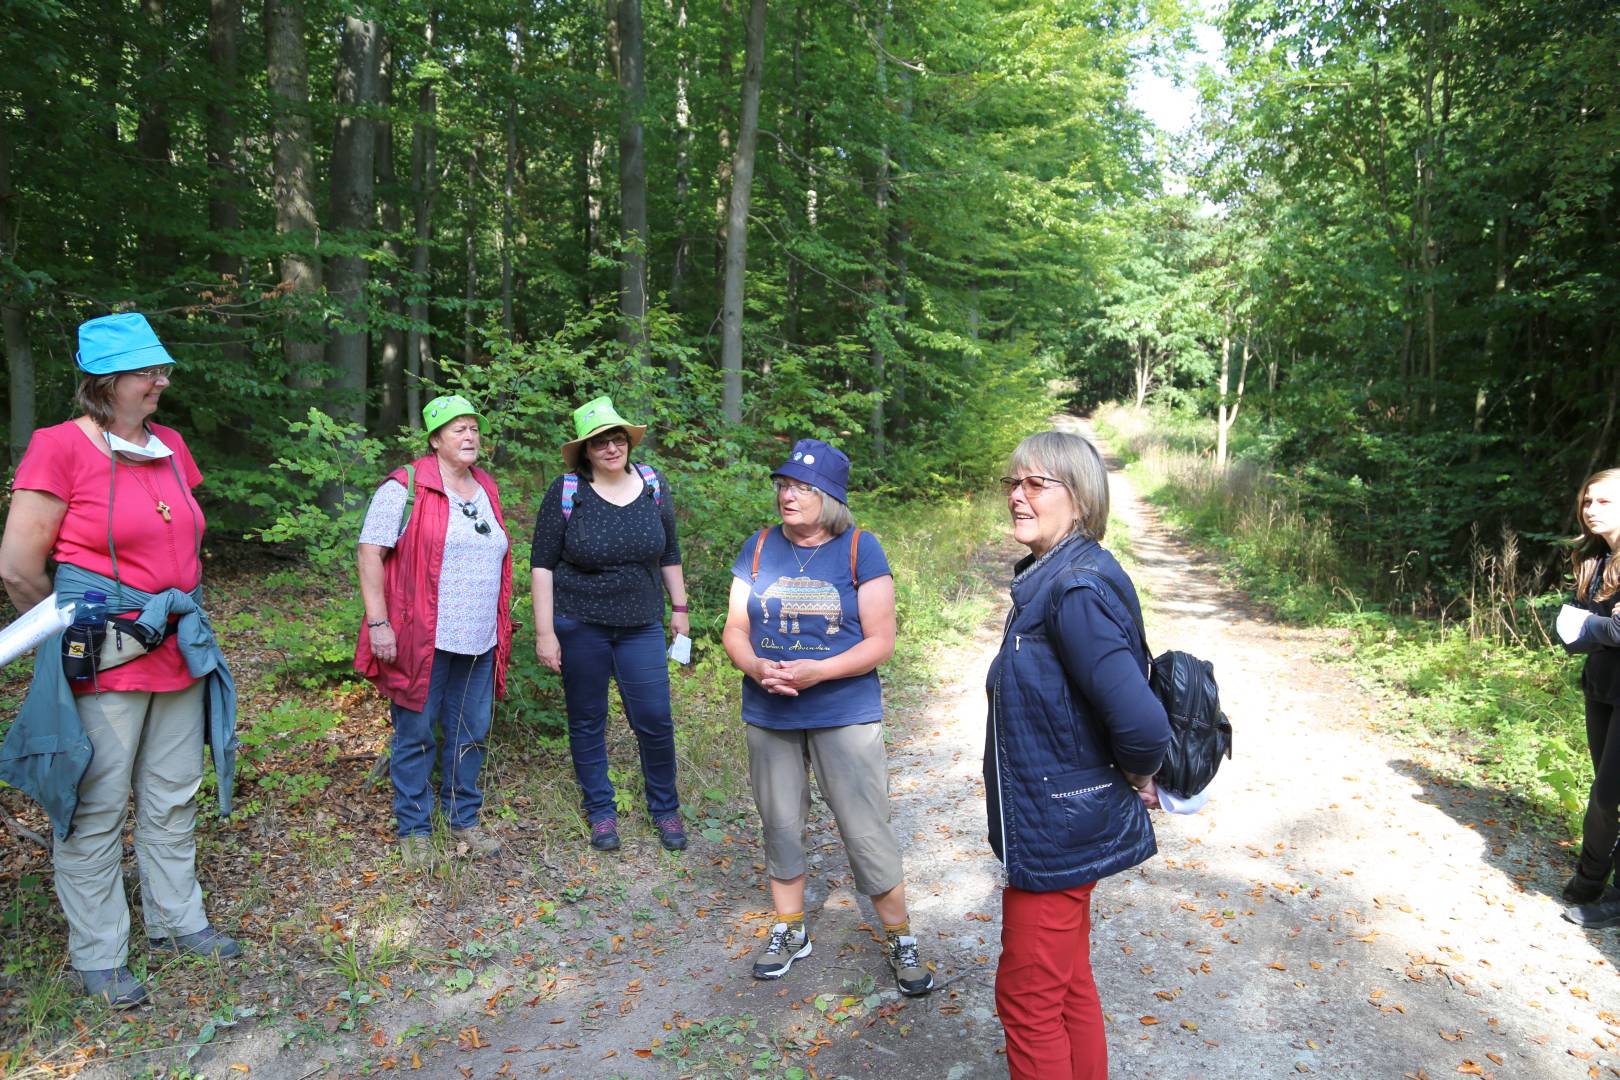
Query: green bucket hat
[
  {"x": 592, "y": 418},
  {"x": 441, "y": 410}
]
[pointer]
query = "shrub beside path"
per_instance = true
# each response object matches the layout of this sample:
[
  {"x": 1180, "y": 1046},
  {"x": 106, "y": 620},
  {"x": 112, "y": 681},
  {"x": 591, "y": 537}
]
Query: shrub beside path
[{"x": 1340, "y": 909}]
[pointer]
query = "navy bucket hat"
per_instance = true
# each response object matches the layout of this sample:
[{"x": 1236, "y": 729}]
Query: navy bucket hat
[
  {"x": 115, "y": 343},
  {"x": 818, "y": 463}
]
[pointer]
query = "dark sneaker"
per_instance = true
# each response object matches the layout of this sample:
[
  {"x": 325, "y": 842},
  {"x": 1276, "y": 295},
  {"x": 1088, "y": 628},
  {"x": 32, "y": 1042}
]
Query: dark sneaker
[
  {"x": 1598, "y": 915},
  {"x": 205, "y": 942},
  {"x": 671, "y": 831},
  {"x": 781, "y": 950},
  {"x": 605, "y": 833},
  {"x": 911, "y": 975},
  {"x": 115, "y": 987},
  {"x": 1580, "y": 889}
]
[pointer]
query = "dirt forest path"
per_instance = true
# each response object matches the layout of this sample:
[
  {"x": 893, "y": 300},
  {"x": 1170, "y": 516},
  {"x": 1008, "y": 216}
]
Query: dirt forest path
[{"x": 1338, "y": 910}]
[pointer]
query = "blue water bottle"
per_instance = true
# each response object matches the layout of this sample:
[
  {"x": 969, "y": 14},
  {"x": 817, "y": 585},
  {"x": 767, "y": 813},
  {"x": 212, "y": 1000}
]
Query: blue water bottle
[{"x": 81, "y": 642}]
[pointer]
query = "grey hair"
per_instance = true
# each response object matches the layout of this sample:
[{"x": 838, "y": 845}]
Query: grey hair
[
  {"x": 1074, "y": 461},
  {"x": 835, "y": 516}
]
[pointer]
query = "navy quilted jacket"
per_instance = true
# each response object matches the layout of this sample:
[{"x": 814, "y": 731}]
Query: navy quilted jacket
[{"x": 1070, "y": 707}]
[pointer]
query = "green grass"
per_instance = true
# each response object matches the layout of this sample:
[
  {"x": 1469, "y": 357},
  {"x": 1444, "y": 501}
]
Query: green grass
[{"x": 1485, "y": 679}]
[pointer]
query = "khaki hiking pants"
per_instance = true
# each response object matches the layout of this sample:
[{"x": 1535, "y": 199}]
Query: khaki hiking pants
[{"x": 151, "y": 744}]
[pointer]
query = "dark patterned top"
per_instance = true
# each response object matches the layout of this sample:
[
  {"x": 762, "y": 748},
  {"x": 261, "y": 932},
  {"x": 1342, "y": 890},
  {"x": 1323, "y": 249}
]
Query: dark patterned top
[{"x": 606, "y": 560}]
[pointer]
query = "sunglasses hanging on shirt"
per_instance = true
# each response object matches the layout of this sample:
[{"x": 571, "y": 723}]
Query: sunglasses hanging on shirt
[{"x": 470, "y": 510}]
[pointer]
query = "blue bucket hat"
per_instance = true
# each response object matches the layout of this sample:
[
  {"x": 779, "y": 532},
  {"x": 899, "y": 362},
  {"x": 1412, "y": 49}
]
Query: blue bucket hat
[
  {"x": 818, "y": 463},
  {"x": 115, "y": 343}
]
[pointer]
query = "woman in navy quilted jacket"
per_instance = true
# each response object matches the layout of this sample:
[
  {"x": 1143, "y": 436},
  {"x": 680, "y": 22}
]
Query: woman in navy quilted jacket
[{"x": 1074, "y": 738}]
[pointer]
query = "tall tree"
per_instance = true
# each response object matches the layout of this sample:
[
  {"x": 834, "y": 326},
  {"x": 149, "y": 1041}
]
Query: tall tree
[
  {"x": 292, "y": 173},
  {"x": 353, "y": 208},
  {"x": 391, "y": 361},
  {"x": 224, "y": 180},
  {"x": 742, "y": 181},
  {"x": 632, "y": 179},
  {"x": 14, "y": 310},
  {"x": 424, "y": 187}
]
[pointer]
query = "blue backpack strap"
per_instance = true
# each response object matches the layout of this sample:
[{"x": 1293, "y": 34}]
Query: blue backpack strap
[
  {"x": 569, "y": 490},
  {"x": 649, "y": 476}
]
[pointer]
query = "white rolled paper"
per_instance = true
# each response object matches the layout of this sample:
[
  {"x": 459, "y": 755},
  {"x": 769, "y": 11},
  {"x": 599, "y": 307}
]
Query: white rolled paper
[{"x": 44, "y": 619}]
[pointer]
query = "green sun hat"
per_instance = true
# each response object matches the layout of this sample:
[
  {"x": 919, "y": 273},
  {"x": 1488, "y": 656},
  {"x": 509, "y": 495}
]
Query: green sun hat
[
  {"x": 441, "y": 410},
  {"x": 594, "y": 417}
]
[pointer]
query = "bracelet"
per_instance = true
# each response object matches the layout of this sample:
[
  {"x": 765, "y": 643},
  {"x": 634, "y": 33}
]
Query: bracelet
[
  {"x": 679, "y": 609},
  {"x": 379, "y": 622}
]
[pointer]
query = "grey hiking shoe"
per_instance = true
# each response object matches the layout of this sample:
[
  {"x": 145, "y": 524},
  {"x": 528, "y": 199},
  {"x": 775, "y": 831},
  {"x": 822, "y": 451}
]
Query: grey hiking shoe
[
  {"x": 115, "y": 988},
  {"x": 1600, "y": 914},
  {"x": 205, "y": 942},
  {"x": 479, "y": 843},
  {"x": 416, "y": 852},
  {"x": 781, "y": 949},
  {"x": 911, "y": 975},
  {"x": 1580, "y": 889}
]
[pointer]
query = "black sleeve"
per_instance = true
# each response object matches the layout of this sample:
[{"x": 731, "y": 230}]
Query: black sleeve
[
  {"x": 666, "y": 513},
  {"x": 545, "y": 552}
]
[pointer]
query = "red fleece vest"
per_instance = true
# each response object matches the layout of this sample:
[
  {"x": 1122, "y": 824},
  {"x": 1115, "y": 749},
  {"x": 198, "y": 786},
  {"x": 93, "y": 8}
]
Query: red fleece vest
[{"x": 411, "y": 587}]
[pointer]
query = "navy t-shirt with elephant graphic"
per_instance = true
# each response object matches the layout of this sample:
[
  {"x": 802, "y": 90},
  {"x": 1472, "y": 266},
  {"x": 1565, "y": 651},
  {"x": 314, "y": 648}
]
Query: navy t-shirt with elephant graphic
[{"x": 803, "y": 607}]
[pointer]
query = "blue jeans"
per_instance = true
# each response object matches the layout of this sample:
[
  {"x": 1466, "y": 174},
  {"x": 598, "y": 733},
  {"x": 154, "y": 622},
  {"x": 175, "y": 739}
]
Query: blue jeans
[
  {"x": 634, "y": 656},
  {"x": 461, "y": 695}
]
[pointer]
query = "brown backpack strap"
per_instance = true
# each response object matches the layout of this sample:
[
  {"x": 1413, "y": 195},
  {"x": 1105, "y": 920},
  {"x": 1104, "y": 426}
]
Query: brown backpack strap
[
  {"x": 854, "y": 543},
  {"x": 759, "y": 546}
]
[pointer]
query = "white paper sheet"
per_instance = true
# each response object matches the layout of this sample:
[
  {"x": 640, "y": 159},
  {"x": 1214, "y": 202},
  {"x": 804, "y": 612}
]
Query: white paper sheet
[
  {"x": 44, "y": 619},
  {"x": 681, "y": 650},
  {"x": 1570, "y": 621}
]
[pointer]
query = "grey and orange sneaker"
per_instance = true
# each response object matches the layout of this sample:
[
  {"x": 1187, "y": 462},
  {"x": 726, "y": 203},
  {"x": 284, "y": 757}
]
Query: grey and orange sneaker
[
  {"x": 911, "y": 975},
  {"x": 782, "y": 948}
]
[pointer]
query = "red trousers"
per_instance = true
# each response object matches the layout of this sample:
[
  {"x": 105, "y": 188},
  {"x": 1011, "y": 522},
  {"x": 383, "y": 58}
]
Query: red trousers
[{"x": 1044, "y": 991}]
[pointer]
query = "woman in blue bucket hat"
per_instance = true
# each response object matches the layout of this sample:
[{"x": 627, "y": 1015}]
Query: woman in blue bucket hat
[
  {"x": 436, "y": 578},
  {"x": 811, "y": 617},
  {"x": 124, "y": 705}
]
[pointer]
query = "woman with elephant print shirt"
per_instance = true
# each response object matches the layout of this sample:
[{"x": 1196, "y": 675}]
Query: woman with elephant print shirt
[{"x": 811, "y": 616}]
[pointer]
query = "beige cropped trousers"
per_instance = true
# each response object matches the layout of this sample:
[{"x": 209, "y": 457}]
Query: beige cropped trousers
[{"x": 150, "y": 744}]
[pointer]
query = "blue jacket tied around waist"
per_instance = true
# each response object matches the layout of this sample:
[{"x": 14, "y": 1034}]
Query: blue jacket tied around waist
[
  {"x": 46, "y": 752},
  {"x": 1070, "y": 707}
]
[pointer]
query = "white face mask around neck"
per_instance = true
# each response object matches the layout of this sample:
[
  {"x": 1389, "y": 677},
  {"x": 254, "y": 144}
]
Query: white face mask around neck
[{"x": 153, "y": 450}]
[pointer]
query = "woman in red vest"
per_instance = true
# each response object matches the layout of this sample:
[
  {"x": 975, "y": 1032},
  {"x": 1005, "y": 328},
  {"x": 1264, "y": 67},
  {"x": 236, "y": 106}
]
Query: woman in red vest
[{"x": 436, "y": 577}]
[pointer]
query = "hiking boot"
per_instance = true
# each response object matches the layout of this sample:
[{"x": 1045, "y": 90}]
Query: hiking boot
[
  {"x": 671, "y": 831},
  {"x": 781, "y": 950},
  {"x": 205, "y": 942},
  {"x": 605, "y": 833},
  {"x": 1598, "y": 915},
  {"x": 1580, "y": 889},
  {"x": 911, "y": 975},
  {"x": 479, "y": 843},
  {"x": 416, "y": 852},
  {"x": 115, "y": 987}
]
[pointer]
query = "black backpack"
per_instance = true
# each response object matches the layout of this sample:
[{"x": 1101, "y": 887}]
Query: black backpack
[{"x": 1200, "y": 734}]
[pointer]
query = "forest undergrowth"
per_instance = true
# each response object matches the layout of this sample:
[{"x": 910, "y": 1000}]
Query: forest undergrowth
[
  {"x": 306, "y": 873},
  {"x": 1475, "y": 669}
]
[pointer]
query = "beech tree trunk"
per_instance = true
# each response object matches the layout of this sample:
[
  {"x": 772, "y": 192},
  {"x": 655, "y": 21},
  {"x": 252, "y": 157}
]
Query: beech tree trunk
[
  {"x": 632, "y": 180},
  {"x": 469, "y": 321},
  {"x": 683, "y": 167},
  {"x": 742, "y": 180},
  {"x": 292, "y": 171},
  {"x": 509, "y": 189},
  {"x": 424, "y": 166},
  {"x": 158, "y": 252},
  {"x": 391, "y": 365},
  {"x": 353, "y": 209},
  {"x": 14, "y": 315},
  {"x": 879, "y": 284},
  {"x": 224, "y": 185}
]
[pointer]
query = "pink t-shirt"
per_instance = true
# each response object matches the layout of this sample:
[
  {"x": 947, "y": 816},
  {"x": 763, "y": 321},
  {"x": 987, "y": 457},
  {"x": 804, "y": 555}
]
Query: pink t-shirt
[{"x": 153, "y": 554}]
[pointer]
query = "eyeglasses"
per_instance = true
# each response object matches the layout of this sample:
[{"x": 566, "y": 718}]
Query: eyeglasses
[
  {"x": 1033, "y": 485},
  {"x": 801, "y": 490},
  {"x": 481, "y": 527},
  {"x": 161, "y": 371},
  {"x": 602, "y": 442}
]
